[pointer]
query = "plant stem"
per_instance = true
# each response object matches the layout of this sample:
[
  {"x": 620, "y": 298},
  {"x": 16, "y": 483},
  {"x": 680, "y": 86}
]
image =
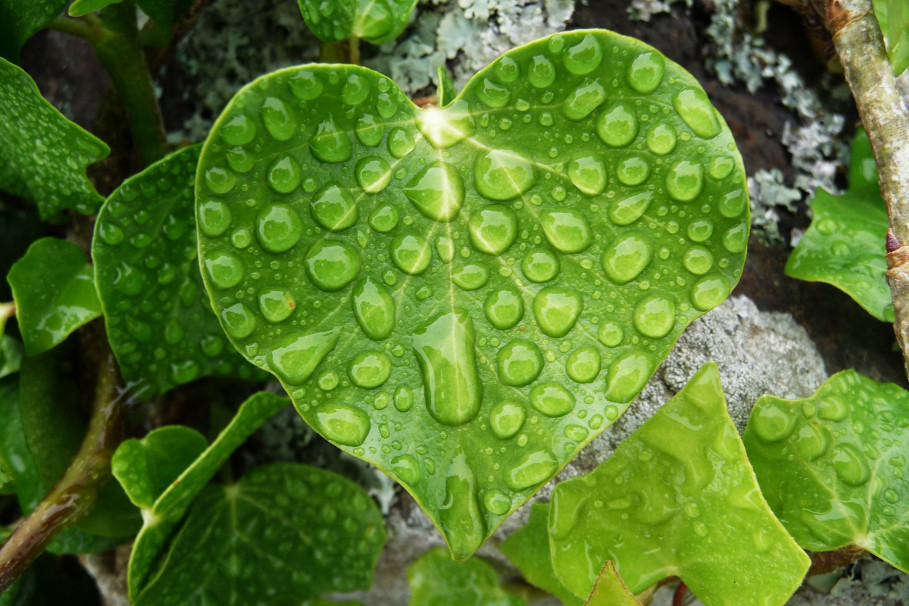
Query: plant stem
[
  {"x": 860, "y": 46},
  {"x": 345, "y": 51},
  {"x": 74, "y": 494}
]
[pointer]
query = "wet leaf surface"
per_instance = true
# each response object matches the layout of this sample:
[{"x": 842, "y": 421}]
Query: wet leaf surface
[
  {"x": 19, "y": 20},
  {"x": 610, "y": 590},
  {"x": 437, "y": 580},
  {"x": 376, "y": 21}
]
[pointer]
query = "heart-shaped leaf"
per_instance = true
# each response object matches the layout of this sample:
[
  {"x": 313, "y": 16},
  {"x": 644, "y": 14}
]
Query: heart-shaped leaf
[
  {"x": 54, "y": 289},
  {"x": 19, "y": 20},
  {"x": 466, "y": 296},
  {"x": 844, "y": 246},
  {"x": 436, "y": 580},
  {"x": 677, "y": 497},
  {"x": 158, "y": 315},
  {"x": 833, "y": 466},
  {"x": 610, "y": 589},
  {"x": 376, "y": 21},
  {"x": 283, "y": 530},
  {"x": 44, "y": 155}
]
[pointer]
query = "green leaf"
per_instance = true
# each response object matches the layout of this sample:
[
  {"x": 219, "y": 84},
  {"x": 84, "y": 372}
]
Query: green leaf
[
  {"x": 528, "y": 549},
  {"x": 80, "y": 8},
  {"x": 446, "y": 91},
  {"x": 10, "y": 355},
  {"x": 9, "y": 412},
  {"x": 832, "y": 466},
  {"x": 173, "y": 503},
  {"x": 893, "y": 16},
  {"x": 148, "y": 466},
  {"x": 677, "y": 497},
  {"x": 158, "y": 315},
  {"x": 162, "y": 12},
  {"x": 19, "y": 20},
  {"x": 436, "y": 580},
  {"x": 282, "y": 530},
  {"x": 54, "y": 289},
  {"x": 610, "y": 589},
  {"x": 466, "y": 296},
  {"x": 844, "y": 246},
  {"x": 376, "y": 21},
  {"x": 44, "y": 155}
]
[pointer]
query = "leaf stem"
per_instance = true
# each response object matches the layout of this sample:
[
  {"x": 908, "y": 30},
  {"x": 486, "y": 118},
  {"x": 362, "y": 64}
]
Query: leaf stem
[
  {"x": 860, "y": 46},
  {"x": 74, "y": 494},
  {"x": 345, "y": 51}
]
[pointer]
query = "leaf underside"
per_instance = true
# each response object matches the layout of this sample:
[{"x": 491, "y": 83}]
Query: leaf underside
[
  {"x": 610, "y": 590},
  {"x": 436, "y": 580},
  {"x": 466, "y": 296},
  {"x": 376, "y": 21},
  {"x": 677, "y": 498},
  {"x": 833, "y": 466}
]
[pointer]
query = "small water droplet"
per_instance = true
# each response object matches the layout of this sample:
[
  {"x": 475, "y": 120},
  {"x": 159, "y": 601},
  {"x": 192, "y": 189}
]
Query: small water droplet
[
  {"x": 328, "y": 380},
  {"x": 627, "y": 257},
  {"x": 224, "y": 270},
  {"x": 630, "y": 209},
  {"x": 733, "y": 203},
  {"x": 330, "y": 143},
  {"x": 627, "y": 376},
  {"x": 541, "y": 72},
  {"x": 279, "y": 120},
  {"x": 685, "y": 180},
  {"x": 113, "y": 235},
  {"x": 369, "y": 130},
  {"x": 492, "y": 93},
  {"x": 697, "y": 260},
  {"x": 410, "y": 253},
  {"x": 772, "y": 421},
  {"x": 502, "y": 174},
  {"x": 373, "y": 174},
  {"x": 332, "y": 264},
  {"x": 832, "y": 408},
  {"x": 736, "y": 238},
  {"x": 276, "y": 304},
  {"x": 304, "y": 84},
  {"x": 278, "y": 228},
  {"x": 583, "y": 365},
  {"x": 374, "y": 309},
  {"x": 400, "y": 142},
  {"x": 506, "y": 419},
  {"x": 369, "y": 369},
  {"x": 695, "y": 109},
  {"x": 504, "y": 308},
  {"x": 540, "y": 265},
  {"x": 355, "y": 90},
  {"x": 493, "y": 229},
  {"x": 646, "y": 72},
  {"x": 557, "y": 310},
  {"x": 661, "y": 139},
  {"x": 583, "y": 57},
  {"x": 341, "y": 423},
  {"x": 219, "y": 180},
  {"x": 610, "y": 334},
  {"x": 588, "y": 174},
  {"x": 507, "y": 69},
  {"x": 284, "y": 175},
  {"x": 721, "y": 167},
  {"x": 437, "y": 191},
  {"x": 585, "y": 98},
  {"x": 633, "y": 170},
  {"x": 296, "y": 356},
  {"x": 214, "y": 218},
  {"x": 470, "y": 277},
  {"x": 535, "y": 468},
  {"x": 519, "y": 362},
  {"x": 239, "y": 159},
  {"x": 407, "y": 468},
  {"x": 403, "y": 398},
  {"x": 566, "y": 229},
  {"x": 618, "y": 125},
  {"x": 812, "y": 441},
  {"x": 461, "y": 522},
  {"x": 238, "y": 321},
  {"x": 384, "y": 218},
  {"x": 850, "y": 465},
  {"x": 334, "y": 208},
  {"x": 238, "y": 130},
  {"x": 709, "y": 291},
  {"x": 654, "y": 315}
]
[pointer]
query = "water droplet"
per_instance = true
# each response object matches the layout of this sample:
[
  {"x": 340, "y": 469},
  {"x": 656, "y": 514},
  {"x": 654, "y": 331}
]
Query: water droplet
[
  {"x": 219, "y": 180},
  {"x": 185, "y": 371},
  {"x": 384, "y": 218},
  {"x": 709, "y": 292},
  {"x": 891, "y": 496},
  {"x": 556, "y": 310},
  {"x": 403, "y": 398},
  {"x": 541, "y": 72},
  {"x": 506, "y": 419},
  {"x": 470, "y": 277},
  {"x": 461, "y": 522},
  {"x": 588, "y": 174},
  {"x": 684, "y": 180},
  {"x": 214, "y": 218},
  {"x": 296, "y": 356},
  {"x": 627, "y": 257},
  {"x": 850, "y": 465},
  {"x": 212, "y": 346},
  {"x": 736, "y": 238},
  {"x": 493, "y": 229},
  {"x": 224, "y": 269},
  {"x": 445, "y": 127},
  {"x": 369, "y": 369},
  {"x": 772, "y": 421},
  {"x": 812, "y": 441},
  {"x": 695, "y": 109},
  {"x": 113, "y": 235},
  {"x": 306, "y": 85},
  {"x": 407, "y": 468},
  {"x": 332, "y": 264},
  {"x": 492, "y": 93},
  {"x": 832, "y": 408},
  {"x": 519, "y": 362},
  {"x": 618, "y": 125},
  {"x": 566, "y": 229},
  {"x": 334, "y": 208},
  {"x": 400, "y": 142},
  {"x": 410, "y": 253},
  {"x": 341, "y": 423},
  {"x": 646, "y": 72},
  {"x": 630, "y": 209},
  {"x": 654, "y": 315},
  {"x": 583, "y": 57},
  {"x": 633, "y": 170},
  {"x": 627, "y": 376},
  {"x": 446, "y": 352},
  {"x": 540, "y": 265},
  {"x": 700, "y": 230},
  {"x": 733, "y": 203},
  {"x": 355, "y": 90},
  {"x": 504, "y": 308},
  {"x": 497, "y": 502},
  {"x": 535, "y": 468},
  {"x": 583, "y": 365},
  {"x": 437, "y": 191},
  {"x": 445, "y": 248},
  {"x": 369, "y": 130},
  {"x": 580, "y": 102},
  {"x": 328, "y": 380},
  {"x": 661, "y": 139},
  {"x": 239, "y": 159},
  {"x": 721, "y": 167},
  {"x": 373, "y": 174},
  {"x": 374, "y": 309},
  {"x": 330, "y": 144},
  {"x": 238, "y": 130},
  {"x": 276, "y": 304},
  {"x": 284, "y": 175},
  {"x": 610, "y": 334},
  {"x": 278, "y": 118},
  {"x": 503, "y": 175},
  {"x": 278, "y": 228},
  {"x": 238, "y": 321},
  {"x": 507, "y": 69}
]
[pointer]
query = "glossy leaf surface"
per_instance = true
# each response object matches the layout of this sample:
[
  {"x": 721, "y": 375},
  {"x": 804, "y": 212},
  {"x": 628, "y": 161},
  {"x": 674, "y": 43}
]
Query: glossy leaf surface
[
  {"x": 376, "y": 21},
  {"x": 282, "y": 530},
  {"x": 833, "y": 466},
  {"x": 466, "y": 296},
  {"x": 159, "y": 318},
  {"x": 678, "y": 497},
  {"x": 20, "y": 19},
  {"x": 10, "y": 355},
  {"x": 528, "y": 549},
  {"x": 610, "y": 590},
  {"x": 170, "y": 507},
  {"x": 44, "y": 155},
  {"x": 845, "y": 244},
  {"x": 83, "y": 7},
  {"x": 54, "y": 289},
  {"x": 437, "y": 580}
]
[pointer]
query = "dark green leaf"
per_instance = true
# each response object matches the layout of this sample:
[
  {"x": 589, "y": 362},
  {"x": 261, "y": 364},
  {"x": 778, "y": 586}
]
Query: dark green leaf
[
  {"x": 282, "y": 530},
  {"x": 844, "y": 246},
  {"x": 678, "y": 497},
  {"x": 445, "y": 93},
  {"x": 54, "y": 289},
  {"x": 170, "y": 507},
  {"x": 610, "y": 590},
  {"x": 44, "y": 155},
  {"x": 893, "y": 16},
  {"x": 19, "y": 19},
  {"x": 83, "y": 7},
  {"x": 10, "y": 355},
  {"x": 9, "y": 413},
  {"x": 376, "y": 21},
  {"x": 832, "y": 466},
  {"x": 437, "y": 580},
  {"x": 466, "y": 296},
  {"x": 158, "y": 315}
]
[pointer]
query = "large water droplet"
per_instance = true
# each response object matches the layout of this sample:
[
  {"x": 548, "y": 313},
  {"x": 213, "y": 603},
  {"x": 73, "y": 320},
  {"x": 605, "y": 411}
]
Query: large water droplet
[
  {"x": 588, "y": 174},
  {"x": 709, "y": 291},
  {"x": 400, "y": 142},
  {"x": 330, "y": 144},
  {"x": 697, "y": 260},
  {"x": 627, "y": 376},
  {"x": 332, "y": 264},
  {"x": 492, "y": 93},
  {"x": 497, "y": 502},
  {"x": 214, "y": 217},
  {"x": 646, "y": 72},
  {"x": 541, "y": 72},
  {"x": 410, "y": 253},
  {"x": 341, "y": 423},
  {"x": 519, "y": 362},
  {"x": 278, "y": 228},
  {"x": 238, "y": 130},
  {"x": 583, "y": 57},
  {"x": 583, "y": 365},
  {"x": 552, "y": 399},
  {"x": 832, "y": 408},
  {"x": 556, "y": 310},
  {"x": 502, "y": 175},
  {"x": 445, "y": 127},
  {"x": 279, "y": 120},
  {"x": 407, "y": 468},
  {"x": 633, "y": 170},
  {"x": 850, "y": 465},
  {"x": 684, "y": 180},
  {"x": 112, "y": 235},
  {"x": 239, "y": 159},
  {"x": 733, "y": 203},
  {"x": 355, "y": 90},
  {"x": 403, "y": 398},
  {"x": 369, "y": 369},
  {"x": 535, "y": 468},
  {"x": 374, "y": 309},
  {"x": 470, "y": 277},
  {"x": 506, "y": 419},
  {"x": 661, "y": 139},
  {"x": 504, "y": 308},
  {"x": 580, "y": 102},
  {"x": 772, "y": 421},
  {"x": 334, "y": 208},
  {"x": 238, "y": 321},
  {"x": 695, "y": 109},
  {"x": 446, "y": 352},
  {"x": 464, "y": 527},
  {"x": 654, "y": 315},
  {"x": 493, "y": 229},
  {"x": 736, "y": 238},
  {"x": 610, "y": 334},
  {"x": 296, "y": 356},
  {"x": 566, "y": 229},
  {"x": 276, "y": 304},
  {"x": 224, "y": 269},
  {"x": 384, "y": 218},
  {"x": 369, "y": 130},
  {"x": 437, "y": 191},
  {"x": 284, "y": 175},
  {"x": 627, "y": 257},
  {"x": 306, "y": 85},
  {"x": 373, "y": 174},
  {"x": 219, "y": 180},
  {"x": 540, "y": 265},
  {"x": 630, "y": 209},
  {"x": 618, "y": 125},
  {"x": 812, "y": 441}
]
